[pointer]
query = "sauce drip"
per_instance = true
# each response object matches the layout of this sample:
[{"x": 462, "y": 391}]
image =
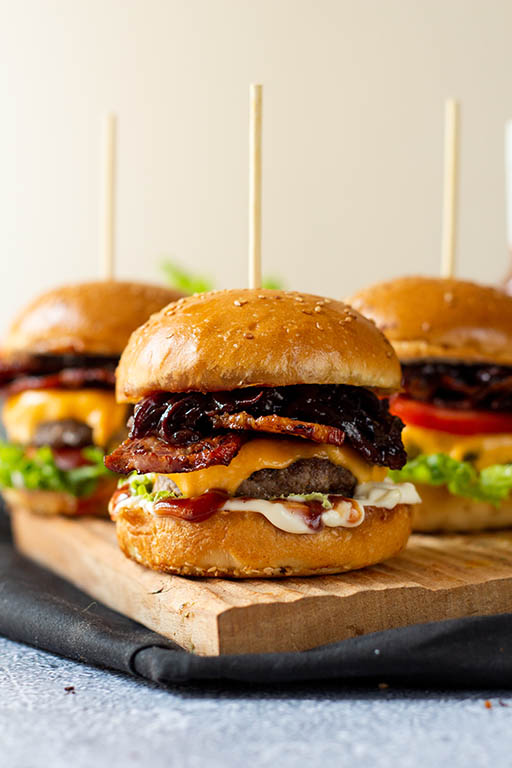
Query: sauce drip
[
  {"x": 201, "y": 508},
  {"x": 313, "y": 515},
  {"x": 193, "y": 510},
  {"x": 314, "y": 509}
]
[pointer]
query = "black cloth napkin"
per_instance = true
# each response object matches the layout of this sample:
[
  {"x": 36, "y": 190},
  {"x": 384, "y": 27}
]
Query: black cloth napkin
[{"x": 40, "y": 609}]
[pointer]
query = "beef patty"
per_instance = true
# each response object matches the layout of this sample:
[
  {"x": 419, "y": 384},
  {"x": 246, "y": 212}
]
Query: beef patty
[
  {"x": 71, "y": 433},
  {"x": 304, "y": 476},
  {"x": 63, "y": 433}
]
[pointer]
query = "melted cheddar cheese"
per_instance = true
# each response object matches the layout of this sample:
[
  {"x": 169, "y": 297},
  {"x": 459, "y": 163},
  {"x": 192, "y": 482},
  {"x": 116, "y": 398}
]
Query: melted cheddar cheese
[
  {"x": 22, "y": 413},
  {"x": 481, "y": 450},
  {"x": 272, "y": 454}
]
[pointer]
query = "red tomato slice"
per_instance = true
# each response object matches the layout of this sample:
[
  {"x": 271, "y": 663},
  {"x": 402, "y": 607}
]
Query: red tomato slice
[
  {"x": 450, "y": 420},
  {"x": 69, "y": 458}
]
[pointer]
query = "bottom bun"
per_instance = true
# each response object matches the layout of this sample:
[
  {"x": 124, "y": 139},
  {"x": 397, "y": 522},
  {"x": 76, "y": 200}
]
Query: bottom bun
[
  {"x": 440, "y": 510},
  {"x": 242, "y": 544},
  {"x": 55, "y": 503}
]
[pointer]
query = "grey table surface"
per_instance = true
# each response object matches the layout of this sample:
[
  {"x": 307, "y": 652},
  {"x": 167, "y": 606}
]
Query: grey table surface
[{"x": 110, "y": 720}]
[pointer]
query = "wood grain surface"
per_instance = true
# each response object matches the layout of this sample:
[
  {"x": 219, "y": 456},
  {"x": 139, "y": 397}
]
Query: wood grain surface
[{"x": 437, "y": 577}]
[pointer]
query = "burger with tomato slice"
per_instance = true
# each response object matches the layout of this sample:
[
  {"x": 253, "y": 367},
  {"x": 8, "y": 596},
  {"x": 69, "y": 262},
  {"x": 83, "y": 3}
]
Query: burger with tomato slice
[
  {"x": 260, "y": 440},
  {"x": 454, "y": 340},
  {"x": 57, "y": 367}
]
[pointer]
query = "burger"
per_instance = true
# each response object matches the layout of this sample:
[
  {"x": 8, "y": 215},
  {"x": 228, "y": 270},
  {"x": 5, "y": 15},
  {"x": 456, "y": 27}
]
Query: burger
[
  {"x": 260, "y": 439},
  {"x": 454, "y": 340},
  {"x": 57, "y": 367}
]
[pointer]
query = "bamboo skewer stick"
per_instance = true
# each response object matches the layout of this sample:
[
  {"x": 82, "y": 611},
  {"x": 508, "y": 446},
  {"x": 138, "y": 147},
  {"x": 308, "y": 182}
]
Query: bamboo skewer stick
[
  {"x": 450, "y": 185},
  {"x": 255, "y": 129},
  {"x": 108, "y": 197},
  {"x": 508, "y": 182}
]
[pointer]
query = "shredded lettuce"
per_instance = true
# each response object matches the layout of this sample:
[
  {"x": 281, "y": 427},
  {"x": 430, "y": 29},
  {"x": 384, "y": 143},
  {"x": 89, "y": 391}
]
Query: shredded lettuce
[
  {"x": 323, "y": 498},
  {"x": 492, "y": 484},
  {"x": 40, "y": 472},
  {"x": 142, "y": 485}
]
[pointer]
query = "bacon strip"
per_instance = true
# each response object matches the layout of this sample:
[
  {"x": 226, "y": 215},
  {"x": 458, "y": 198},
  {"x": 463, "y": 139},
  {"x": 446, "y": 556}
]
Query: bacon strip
[
  {"x": 151, "y": 454},
  {"x": 318, "y": 433},
  {"x": 68, "y": 378}
]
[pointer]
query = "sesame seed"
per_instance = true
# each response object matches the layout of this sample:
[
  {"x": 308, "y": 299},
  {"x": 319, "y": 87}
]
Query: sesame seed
[
  {"x": 261, "y": 296},
  {"x": 307, "y": 311},
  {"x": 249, "y": 335},
  {"x": 299, "y": 298},
  {"x": 318, "y": 308},
  {"x": 320, "y": 328}
]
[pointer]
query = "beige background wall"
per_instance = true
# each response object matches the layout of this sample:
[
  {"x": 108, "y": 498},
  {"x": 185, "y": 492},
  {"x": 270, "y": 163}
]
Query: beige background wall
[{"x": 354, "y": 93}]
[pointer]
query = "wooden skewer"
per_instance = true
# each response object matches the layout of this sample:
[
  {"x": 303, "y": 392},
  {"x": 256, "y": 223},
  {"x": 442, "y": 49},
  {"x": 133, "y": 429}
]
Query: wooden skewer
[
  {"x": 451, "y": 162},
  {"x": 508, "y": 182},
  {"x": 108, "y": 195},
  {"x": 255, "y": 126}
]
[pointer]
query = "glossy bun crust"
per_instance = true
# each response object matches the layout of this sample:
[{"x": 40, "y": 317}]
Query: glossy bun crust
[
  {"x": 245, "y": 545},
  {"x": 93, "y": 318},
  {"x": 226, "y": 340},
  {"x": 428, "y": 317},
  {"x": 442, "y": 511}
]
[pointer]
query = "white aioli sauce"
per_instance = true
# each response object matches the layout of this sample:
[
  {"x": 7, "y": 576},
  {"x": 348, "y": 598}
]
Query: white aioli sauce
[{"x": 345, "y": 513}]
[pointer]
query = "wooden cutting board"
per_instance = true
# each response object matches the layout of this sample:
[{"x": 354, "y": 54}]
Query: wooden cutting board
[{"x": 437, "y": 577}]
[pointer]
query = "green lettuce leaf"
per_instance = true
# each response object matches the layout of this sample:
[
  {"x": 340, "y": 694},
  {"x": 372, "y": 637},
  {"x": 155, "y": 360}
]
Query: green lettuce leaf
[
  {"x": 183, "y": 280},
  {"x": 188, "y": 282},
  {"x": 40, "y": 472},
  {"x": 272, "y": 283},
  {"x": 492, "y": 484},
  {"x": 142, "y": 485}
]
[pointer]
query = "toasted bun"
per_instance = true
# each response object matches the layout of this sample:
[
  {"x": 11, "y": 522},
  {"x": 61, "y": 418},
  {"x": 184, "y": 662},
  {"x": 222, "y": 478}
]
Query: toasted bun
[
  {"x": 245, "y": 545},
  {"x": 428, "y": 317},
  {"x": 94, "y": 318},
  {"x": 442, "y": 511},
  {"x": 226, "y": 340},
  {"x": 54, "y": 503}
]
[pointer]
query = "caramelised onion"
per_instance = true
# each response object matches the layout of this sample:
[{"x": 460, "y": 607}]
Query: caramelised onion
[
  {"x": 184, "y": 418},
  {"x": 468, "y": 386}
]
